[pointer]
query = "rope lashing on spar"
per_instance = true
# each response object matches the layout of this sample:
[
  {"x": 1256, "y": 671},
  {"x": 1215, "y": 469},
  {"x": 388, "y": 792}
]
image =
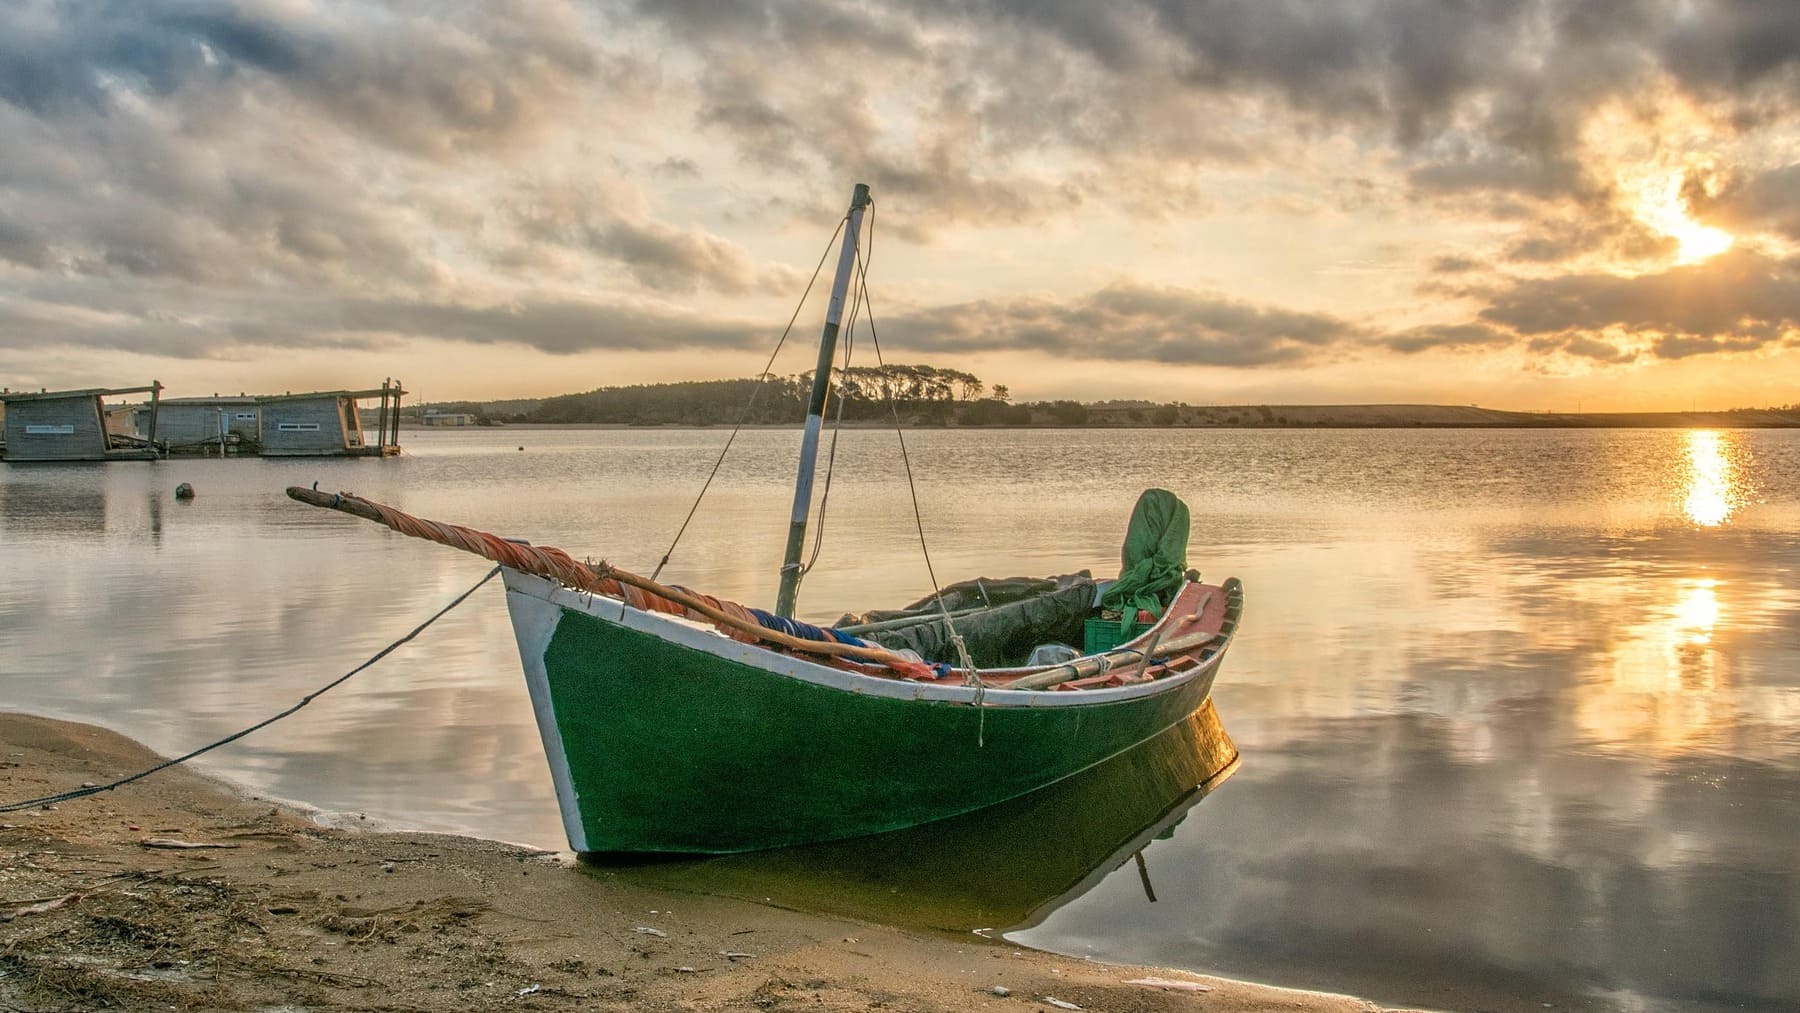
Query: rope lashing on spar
[{"x": 736, "y": 621}]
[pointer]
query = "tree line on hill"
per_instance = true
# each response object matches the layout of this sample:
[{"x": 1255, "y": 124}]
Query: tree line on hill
[
  {"x": 921, "y": 395},
  {"x": 926, "y": 395}
]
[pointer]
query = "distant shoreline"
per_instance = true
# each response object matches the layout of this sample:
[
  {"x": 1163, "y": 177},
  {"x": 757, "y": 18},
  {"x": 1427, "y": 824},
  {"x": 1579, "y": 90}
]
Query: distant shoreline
[{"x": 1301, "y": 417}]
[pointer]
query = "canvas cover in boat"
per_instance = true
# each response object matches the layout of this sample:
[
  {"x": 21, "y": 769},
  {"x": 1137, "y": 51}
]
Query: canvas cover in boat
[
  {"x": 1015, "y": 615},
  {"x": 1153, "y": 559}
]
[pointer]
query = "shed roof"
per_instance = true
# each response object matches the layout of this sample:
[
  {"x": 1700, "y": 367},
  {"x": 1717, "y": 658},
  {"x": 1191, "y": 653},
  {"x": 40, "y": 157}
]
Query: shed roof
[
  {"x": 376, "y": 392},
  {"x": 203, "y": 401},
  {"x": 51, "y": 395}
]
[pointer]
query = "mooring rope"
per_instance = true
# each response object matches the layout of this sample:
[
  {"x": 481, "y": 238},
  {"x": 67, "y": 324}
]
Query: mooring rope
[{"x": 75, "y": 793}]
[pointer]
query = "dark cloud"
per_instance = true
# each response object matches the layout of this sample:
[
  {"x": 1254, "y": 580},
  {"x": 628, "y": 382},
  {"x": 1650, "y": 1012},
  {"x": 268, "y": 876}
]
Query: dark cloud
[
  {"x": 1740, "y": 301},
  {"x": 185, "y": 173},
  {"x": 1681, "y": 346},
  {"x": 1754, "y": 202},
  {"x": 611, "y": 222},
  {"x": 1128, "y": 322},
  {"x": 1449, "y": 336},
  {"x": 557, "y": 325},
  {"x": 1608, "y": 232},
  {"x": 1583, "y": 346},
  {"x": 1729, "y": 47},
  {"x": 471, "y": 76},
  {"x": 1454, "y": 263},
  {"x": 1737, "y": 293},
  {"x": 1473, "y": 98},
  {"x": 21, "y": 244}
]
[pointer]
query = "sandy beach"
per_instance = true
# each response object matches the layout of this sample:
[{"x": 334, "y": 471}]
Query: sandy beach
[{"x": 177, "y": 892}]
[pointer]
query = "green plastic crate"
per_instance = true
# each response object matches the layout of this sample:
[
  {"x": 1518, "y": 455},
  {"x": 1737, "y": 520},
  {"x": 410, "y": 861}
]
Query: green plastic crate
[{"x": 1103, "y": 634}]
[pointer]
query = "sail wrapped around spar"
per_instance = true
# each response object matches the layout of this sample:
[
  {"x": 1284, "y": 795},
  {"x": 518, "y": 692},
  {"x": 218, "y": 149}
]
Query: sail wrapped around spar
[{"x": 739, "y": 622}]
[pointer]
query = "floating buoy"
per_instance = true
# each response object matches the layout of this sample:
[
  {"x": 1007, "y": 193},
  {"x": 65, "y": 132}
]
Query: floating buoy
[
  {"x": 521, "y": 448},
  {"x": 184, "y": 491}
]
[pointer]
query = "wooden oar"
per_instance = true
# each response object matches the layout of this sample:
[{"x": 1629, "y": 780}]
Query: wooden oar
[{"x": 1095, "y": 664}]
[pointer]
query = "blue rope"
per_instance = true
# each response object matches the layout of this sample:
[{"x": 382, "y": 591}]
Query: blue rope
[{"x": 805, "y": 631}]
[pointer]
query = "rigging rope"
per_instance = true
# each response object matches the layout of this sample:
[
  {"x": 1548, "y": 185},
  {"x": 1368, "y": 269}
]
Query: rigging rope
[
  {"x": 848, "y": 337},
  {"x": 971, "y": 675},
  {"x": 75, "y": 793},
  {"x": 751, "y": 403}
]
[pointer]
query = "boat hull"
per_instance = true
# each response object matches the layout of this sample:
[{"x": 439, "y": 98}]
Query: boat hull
[{"x": 664, "y": 736}]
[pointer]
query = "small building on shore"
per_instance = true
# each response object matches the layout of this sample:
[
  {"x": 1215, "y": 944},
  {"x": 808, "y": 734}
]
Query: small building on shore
[
  {"x": 74, "y": 425},
  {"x": 436, "y": 418}
]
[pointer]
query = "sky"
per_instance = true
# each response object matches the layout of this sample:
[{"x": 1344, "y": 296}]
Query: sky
[{"x": 1552, "y": 205}]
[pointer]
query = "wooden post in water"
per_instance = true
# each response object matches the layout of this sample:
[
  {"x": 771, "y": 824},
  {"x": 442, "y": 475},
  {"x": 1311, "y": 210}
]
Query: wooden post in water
[
  {"x": 815, "y": 407},
  {"x": 155, "y": 397},
  {"x": 381, "y": 419}
]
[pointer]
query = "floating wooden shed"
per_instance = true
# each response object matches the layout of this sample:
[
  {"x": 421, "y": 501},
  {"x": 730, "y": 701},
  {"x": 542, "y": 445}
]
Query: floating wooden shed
[
  {"x": 203, "y": 425},
  {"x": 71, "y": 425},
  {"x": 328, "y": 424}
]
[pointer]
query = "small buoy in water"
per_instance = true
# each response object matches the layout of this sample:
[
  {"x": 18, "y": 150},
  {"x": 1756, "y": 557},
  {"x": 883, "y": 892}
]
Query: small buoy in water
[
  {"x": 184, "y": 491},
  {"x": 521, "y": 448}
]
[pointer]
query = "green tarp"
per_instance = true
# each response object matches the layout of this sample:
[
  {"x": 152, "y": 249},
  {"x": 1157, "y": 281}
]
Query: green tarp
[{"x": 1154, "y": 557}]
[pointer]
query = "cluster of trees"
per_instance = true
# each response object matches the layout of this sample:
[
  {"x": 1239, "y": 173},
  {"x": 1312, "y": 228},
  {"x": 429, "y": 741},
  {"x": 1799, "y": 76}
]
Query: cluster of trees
[{"x": 922, "y": 394}]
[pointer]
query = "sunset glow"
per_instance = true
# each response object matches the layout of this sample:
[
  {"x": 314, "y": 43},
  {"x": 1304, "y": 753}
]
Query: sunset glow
[
  {"x": 1662, "y": 207},
  {"x": 1278, "y": 204}
]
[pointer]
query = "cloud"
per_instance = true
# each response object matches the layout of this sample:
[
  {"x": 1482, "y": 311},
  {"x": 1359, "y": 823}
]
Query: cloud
[
  {"x": 1473, "y": 98},
  {"x": 549, "y": 322},
  {"x": 613, "y": 220},
  {"x": 1455, "y": 263},
  {"x": 474, "y": 75},
  {"x": 1449, "y": 336},
  {"x": 1767, "y": 201},
  {"x": 1128, "y": 322},
  {"x": 1741, "y": 294},
  {"x": 1558, "y": 238},
  {"x": 179, "y": 177}
]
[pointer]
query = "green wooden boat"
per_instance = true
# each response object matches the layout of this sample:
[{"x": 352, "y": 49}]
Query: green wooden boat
[
  {"x": 674, "y": 722},
  {"x": 663, "y": 735}
]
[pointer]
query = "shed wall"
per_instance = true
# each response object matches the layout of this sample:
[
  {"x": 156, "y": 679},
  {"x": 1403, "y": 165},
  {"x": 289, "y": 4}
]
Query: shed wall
[
  {"x": 85, "y": 442},
  {"x": 187, "y": 424},
  {"x": 323, "y": 413}
]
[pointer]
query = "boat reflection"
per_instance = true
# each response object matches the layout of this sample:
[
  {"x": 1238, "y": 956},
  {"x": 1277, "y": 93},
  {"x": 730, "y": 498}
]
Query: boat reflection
[{"x": 1001, "y": 868}]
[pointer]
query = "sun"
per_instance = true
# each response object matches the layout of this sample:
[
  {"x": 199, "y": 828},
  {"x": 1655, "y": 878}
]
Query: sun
[{"x": 1661, "y": 206}]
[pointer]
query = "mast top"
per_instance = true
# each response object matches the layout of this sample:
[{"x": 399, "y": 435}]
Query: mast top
[{"x": 860, "y": 198}]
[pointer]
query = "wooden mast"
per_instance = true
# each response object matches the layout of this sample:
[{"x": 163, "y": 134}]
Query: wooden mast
[{"x": 815, "y": 408}]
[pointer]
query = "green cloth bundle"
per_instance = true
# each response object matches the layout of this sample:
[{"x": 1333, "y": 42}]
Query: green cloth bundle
[{"x": 1153, "y": 559}]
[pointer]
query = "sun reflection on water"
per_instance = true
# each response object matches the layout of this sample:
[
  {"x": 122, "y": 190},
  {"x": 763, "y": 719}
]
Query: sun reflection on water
[
  {"x": 1712, "y": 479},
  {"x": 1663, "y": 690}
]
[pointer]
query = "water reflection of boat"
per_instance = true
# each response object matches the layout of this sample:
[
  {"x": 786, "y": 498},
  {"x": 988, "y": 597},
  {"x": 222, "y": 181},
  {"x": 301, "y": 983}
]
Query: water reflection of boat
[{"x": 1003, "y": 868}]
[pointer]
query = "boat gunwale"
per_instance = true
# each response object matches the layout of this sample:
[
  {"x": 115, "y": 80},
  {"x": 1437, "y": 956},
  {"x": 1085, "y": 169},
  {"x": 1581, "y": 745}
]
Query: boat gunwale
[{"x": 685, "y": 633}]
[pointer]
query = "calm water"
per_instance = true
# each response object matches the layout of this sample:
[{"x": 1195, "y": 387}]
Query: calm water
[{"x": 1519, "y": 711}]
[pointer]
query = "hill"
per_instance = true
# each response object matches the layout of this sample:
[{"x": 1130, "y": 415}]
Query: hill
[{"x": 924, "y": 395}]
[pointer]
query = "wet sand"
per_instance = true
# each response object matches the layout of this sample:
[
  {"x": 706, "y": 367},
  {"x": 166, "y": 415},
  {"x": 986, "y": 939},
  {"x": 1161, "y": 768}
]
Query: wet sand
[{"x": 284, "y": 913}]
